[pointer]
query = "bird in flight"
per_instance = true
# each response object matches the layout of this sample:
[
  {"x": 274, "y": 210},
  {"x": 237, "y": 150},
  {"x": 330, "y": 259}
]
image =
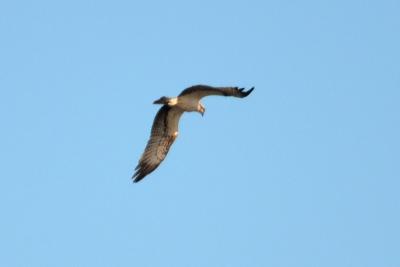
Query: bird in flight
[{"x": 165, "y": 126}]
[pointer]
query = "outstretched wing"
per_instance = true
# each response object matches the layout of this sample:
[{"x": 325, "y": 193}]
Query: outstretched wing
[
  {"x": 199, "y": 91},
  {"x": 163, "y": 135}
]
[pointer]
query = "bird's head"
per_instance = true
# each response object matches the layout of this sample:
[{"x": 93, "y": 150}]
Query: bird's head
[
  {"x": 163, "y": 100},
  {"x": 201, "y": 109}
]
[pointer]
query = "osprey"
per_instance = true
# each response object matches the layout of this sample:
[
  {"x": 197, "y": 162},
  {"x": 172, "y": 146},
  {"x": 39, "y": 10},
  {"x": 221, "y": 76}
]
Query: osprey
[{"x": 165, "y": 126}]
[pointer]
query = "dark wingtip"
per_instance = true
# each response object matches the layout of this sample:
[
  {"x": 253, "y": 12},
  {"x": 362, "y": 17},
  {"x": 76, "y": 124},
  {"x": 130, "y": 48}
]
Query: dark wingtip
[
  {"x": 141, "y": 171},
  {"x": 246, "y": 93},
  {"x": 137, "y": 177}
]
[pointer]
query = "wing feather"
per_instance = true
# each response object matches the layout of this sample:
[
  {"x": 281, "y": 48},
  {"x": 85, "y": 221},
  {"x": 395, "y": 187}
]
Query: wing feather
[
  {"x": 200, "y": 91},
  {"x": 163, "y": 134}
]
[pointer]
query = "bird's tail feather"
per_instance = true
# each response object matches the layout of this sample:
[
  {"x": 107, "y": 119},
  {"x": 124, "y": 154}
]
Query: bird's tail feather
[{"x": 163, "y": 100}]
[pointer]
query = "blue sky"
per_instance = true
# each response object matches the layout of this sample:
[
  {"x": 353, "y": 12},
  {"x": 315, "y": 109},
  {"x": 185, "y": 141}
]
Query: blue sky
[{"x": 303, "y": 172}]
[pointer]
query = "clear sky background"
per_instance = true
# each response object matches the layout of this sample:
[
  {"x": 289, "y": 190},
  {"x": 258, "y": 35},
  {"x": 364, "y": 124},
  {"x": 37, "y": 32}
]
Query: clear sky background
[{"x": 303, "y": 172}]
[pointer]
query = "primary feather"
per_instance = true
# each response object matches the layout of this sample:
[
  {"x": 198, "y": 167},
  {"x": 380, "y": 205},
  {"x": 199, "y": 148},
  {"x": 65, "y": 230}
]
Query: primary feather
[{"x": 163, "y": 135}]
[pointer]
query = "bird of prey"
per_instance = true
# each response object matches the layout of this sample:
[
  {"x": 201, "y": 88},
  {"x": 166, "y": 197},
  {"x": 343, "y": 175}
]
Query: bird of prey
[{"x": 165, "y": 126}]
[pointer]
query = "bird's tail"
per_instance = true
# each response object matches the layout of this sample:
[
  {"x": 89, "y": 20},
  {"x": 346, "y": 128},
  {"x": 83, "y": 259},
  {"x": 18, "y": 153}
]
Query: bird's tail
[{"x": 163, "y": 100}]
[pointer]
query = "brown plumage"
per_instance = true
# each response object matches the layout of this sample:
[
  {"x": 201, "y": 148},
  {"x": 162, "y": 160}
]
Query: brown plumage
[
  {"x": 165, "y": 126},
  {"x": 163, "y": 135},
  {"x": 200, "y": 91}
]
